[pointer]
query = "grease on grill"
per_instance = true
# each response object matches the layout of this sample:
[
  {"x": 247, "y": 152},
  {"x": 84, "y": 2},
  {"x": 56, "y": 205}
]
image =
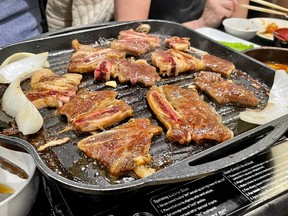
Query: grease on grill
[
  {"x": 68, "y": 161},
  {"x": 71, "y": 163}
]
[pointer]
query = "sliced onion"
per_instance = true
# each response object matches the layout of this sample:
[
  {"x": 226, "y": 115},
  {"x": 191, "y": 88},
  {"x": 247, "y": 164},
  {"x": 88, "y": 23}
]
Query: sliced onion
[
  {"x": 277, "y": 105},
  {"x": 16, "y": 104},
  {"x": 11, "y": 68},
  {"x": 18, "y": 56}
]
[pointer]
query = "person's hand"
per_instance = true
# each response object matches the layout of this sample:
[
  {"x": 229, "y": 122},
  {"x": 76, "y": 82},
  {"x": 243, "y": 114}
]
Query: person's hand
[{"x": 215, "y": 11}]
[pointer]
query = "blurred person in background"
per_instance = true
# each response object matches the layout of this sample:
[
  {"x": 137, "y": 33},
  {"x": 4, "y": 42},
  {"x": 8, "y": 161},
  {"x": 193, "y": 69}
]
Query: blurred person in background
[
  {"x": 193, "y": 14},
  {"x": 21, "y": 20},
  {"x": 67, "y": 13}
]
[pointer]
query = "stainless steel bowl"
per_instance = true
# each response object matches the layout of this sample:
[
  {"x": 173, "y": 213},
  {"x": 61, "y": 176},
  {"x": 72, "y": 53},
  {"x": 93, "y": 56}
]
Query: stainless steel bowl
[{"x": 269, "y": 54}]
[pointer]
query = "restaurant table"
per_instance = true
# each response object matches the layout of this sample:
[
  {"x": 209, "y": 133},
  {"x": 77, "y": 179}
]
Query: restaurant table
[{"x": 230, "y": 192}]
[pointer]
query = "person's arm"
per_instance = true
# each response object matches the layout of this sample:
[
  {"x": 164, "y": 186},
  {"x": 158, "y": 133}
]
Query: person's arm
[
  {"x": 131, "y": 10},
  {"x": 241, "y": 12},
  {"x": 217, "y": 10}
]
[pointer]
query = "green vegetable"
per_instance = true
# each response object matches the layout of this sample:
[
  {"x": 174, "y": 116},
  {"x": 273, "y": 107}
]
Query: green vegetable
[{"x": 238, "y": 46}]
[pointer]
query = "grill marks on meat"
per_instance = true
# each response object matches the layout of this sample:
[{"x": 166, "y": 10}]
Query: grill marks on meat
[
  {"x": 51, "y": 90},
  {"x": 90, "y": 111},
  {"x": 185, "y": 115},
  {"x": 135, "y": 43},
  {"x": 218, "y": 65},
  {"x": 132, "y": 71},
  {"x": 205, "y": 122},
  {"x": 225, "y": 91},
  {"x": 177, "y": 128},
  {"x": 178, "y": 43},
  {"x": 123, "y": 148},
  {"x": 182, "y": 111},
  {"x": 174, "y": 62},
  {"x": 86, "y": 57}
]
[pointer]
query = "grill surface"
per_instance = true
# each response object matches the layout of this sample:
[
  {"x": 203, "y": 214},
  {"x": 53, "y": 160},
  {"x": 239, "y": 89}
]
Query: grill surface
[{"x": 72, "y": 164}]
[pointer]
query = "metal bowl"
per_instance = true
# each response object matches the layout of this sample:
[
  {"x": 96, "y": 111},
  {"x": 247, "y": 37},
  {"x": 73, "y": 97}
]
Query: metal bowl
[
  {"x": 269, "y": 54},
  {"x": 22, "y": 196}
]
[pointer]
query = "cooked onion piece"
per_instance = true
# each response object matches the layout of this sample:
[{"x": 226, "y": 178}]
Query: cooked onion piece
[
  {"x": 11, "y": 68},
  {"x": 277, "y": 103},
  {"x": 54, "y": 143},
  {"x": 16, "y": 104},
  {"x": 18, "y": 56}
]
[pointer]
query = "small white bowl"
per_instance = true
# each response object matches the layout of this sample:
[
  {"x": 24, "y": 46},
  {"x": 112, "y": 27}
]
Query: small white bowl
[
  {"x": 25, "y": 190},
  {"x": 242, "y": 28}
]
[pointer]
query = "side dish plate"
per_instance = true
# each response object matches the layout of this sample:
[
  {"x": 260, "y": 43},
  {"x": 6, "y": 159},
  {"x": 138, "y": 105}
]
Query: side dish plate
[
  {"x": 264, "y": 22},
  {"x": 220, "y": 36}
]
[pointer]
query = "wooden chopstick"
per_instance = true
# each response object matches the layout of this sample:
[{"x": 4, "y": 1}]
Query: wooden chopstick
[
  {"x": 271, "y": 5},
  {"x": 265, "y": 10}
]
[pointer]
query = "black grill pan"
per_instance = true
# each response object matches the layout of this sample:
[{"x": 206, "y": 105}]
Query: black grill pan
[{"x": 69, "y": 166}]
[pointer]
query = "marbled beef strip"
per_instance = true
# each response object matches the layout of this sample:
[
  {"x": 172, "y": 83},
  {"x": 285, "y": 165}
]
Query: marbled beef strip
[
  {"x": 86, "y": 57},
  {"x": 90, "y": 111},
  {"x": 133, "y": 71},
  {"x": 218, "y": 64},
  {"x": 204, "y": 122},
  {"x": 174, "y": 62},
  {"x": 178, "y": 43},
  {"x": 123, "y": 148},
  {"x": 177, "y": 128},
  {"x": 51, "y": 90},
  {"x": 184, "y": 109},
  {"x": 135, "y": 43},
  {"x": 225, "y": 91}
]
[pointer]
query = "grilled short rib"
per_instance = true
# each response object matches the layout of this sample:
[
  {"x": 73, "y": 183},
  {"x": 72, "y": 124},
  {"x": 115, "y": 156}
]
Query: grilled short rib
[
  {"x": 95, "y": 110},
  {"x": 178, "y": 43},
  {"x": 186, "y": 115},
  {"x": 133, "y": 71},
  {"x": 51, "y": 90},
  {"x": 123, "y": 148},
  {"x": 177, "y": 128},
  {"x": 218, "y": 64},
  {"x": 86, "y": 57},
  {"x": 173, "y": 62},
  {"x": 135, "y": 43},
  {"x": 225, "y": 91}
]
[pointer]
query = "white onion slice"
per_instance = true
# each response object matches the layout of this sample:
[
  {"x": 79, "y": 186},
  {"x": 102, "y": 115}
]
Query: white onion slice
[
  {"x": 23, "y": 67},
  {"x": 277, "y": 103},
  {"x": 18, "y": 56},
  {"x": 16, "y": 104}
]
